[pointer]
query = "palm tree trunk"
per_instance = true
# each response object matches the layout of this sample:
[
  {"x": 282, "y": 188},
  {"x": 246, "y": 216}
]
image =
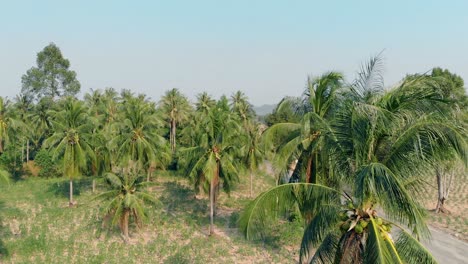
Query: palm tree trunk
[
  {"x": 173, "y": 134},
  {"x": 443, "y": 189},
  {"x": 27, "y": 151},
  {"x": 212, "y": 194},
  {"x": 22, "y": 153},
  {"x": 213, "y": 185},
  {"x": 124, "y": 224},
  {"x": 94, "y": 185},
  {"x": 309, "y": 170},
  {"x": 148, "y": 175},
  {"x": 251, "y": 182},
  {"x": 70, "y": 203}
]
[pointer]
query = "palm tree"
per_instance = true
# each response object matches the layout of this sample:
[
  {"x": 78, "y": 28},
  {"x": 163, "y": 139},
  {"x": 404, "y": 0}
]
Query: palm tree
[
  {"x": 71, "y": 139},
  {"x": 5, "y": 122},
  {"x": 303, "y": 140},
  {"x": 127, "y": 199},
  {"x": 176, "y": 109},
  {"x": 204, "y": 103},
  {"x": 137, "y": 142},
  {"x": 241, "y": 106},
  {"x": 382, "y": 143},
  {"x": 211, "y": 160},
  {"x": 253, "y": 149}
]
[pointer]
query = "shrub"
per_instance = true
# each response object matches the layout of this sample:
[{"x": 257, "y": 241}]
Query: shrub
[{"x": 48, "y": 167}]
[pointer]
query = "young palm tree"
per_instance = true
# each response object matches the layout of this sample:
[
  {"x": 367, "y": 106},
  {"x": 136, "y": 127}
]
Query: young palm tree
[
  {"x": 176, "y": 109},
  {"x": 71, "y": 139},
  {"x": 383, "y": 143},
  {"x": 211, "y": 160},
  {"x": 127, "y": 199}
]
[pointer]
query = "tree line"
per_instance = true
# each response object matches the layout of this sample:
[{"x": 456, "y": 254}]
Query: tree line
[{"x": 350, "y": 156}]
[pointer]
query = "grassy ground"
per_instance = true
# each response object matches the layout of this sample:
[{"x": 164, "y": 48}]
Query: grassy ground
[
  {"x": 38, "y": 227},
  {"x": 456, "y": 221}
]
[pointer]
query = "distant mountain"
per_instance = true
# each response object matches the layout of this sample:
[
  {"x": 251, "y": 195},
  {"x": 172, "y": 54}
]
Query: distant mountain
[{"x": 264, "y": 109}]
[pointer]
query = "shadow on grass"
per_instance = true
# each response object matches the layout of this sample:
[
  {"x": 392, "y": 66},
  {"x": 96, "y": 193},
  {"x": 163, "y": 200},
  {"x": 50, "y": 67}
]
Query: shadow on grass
[
  {"x": 181, "y": 201},
  {"x": 62, "y": 188}
]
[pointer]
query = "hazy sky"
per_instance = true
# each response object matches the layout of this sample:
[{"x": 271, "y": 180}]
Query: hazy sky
[{"x": 264, "y": 48}]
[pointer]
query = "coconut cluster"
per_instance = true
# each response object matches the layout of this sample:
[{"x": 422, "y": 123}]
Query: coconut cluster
[{"x": 358, "y": 219}]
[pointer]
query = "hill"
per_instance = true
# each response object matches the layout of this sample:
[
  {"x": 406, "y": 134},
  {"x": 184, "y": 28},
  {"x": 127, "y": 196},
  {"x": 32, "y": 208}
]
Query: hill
[{"x": 264, "y": 109}]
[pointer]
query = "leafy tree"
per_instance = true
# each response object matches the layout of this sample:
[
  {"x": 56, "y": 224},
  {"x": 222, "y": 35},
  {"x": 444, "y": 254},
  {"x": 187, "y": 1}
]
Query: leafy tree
[
  {"x": 383, "y": 143},
  {"x": 46, "y": 162},
  {"x": 211, "y": 159},
  {"x": 52, "y": 76},
  {"x": 127, "y": 199},
  {"x": 71, "y": 139},
  {"x": 176, "y": 109}
]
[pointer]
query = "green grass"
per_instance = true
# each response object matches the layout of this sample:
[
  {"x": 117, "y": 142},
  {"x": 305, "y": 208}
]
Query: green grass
[{"x": 38, "y": 227}]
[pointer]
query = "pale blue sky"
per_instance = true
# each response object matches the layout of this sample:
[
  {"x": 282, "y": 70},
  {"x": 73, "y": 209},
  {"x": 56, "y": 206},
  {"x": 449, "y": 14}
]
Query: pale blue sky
[{"x": 264, "y": 48}]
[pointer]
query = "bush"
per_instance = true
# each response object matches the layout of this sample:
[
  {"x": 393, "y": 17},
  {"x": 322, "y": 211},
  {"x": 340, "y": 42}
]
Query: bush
[{"x": 44, "y": 160}]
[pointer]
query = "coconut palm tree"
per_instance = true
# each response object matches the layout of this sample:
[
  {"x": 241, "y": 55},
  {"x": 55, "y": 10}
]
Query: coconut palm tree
[
  {"x": 137, "y": 142},
  {"x": 127, "y": 199},
  {"x": 176, "y": 109},
  {"x": 253, "y": 150},
  {"x": 71, "y": 139},
  {"x": 211, "y": 160},
  {"x": 241, "y": 106},
  {"x": 382, "y": 143},
  {"x": 303, "y": 140}
]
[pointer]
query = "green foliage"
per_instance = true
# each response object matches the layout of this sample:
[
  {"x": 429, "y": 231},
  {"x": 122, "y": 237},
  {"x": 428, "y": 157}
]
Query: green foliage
[
  {"x": 51, "y": 77},
  {"x": 48, "y": 166},
  {"x": 127, "y": 198}
]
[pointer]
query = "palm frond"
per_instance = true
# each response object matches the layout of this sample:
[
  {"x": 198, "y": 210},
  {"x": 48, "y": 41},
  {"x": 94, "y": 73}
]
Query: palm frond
[
  {"x": 278, "y": 200},
  {"x": 412, "y": 251}
]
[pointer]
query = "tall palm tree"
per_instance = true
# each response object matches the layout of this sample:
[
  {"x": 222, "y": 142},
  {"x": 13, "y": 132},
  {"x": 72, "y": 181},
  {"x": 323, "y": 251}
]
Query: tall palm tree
[
  {"x": 303, "y": 140},
  {"x": 137, "y": 142},
  {"x": 71, "y": 139},
  {"x": 5, "y": 122},
  {"x": 253, "y": 149},
  {"x": 211, "y": 160},
  {"x": 241, "y": 106},
  {"x": 382, "y": 143},
  {"x": 176, "y": 109},
  {"x": 127, "y": 199}
]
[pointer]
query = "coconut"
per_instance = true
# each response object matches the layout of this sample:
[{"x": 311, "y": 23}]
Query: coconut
[
  {"x": 363, "y": 223},
  {"x": 343, "y": 216},
  {"x": 379, "y": 221},
  {"x": 358, "y": 229}
]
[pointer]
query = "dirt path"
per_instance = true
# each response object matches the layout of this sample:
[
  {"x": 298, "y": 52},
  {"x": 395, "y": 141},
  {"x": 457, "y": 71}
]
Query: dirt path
[{"x": 447, "y": 249}]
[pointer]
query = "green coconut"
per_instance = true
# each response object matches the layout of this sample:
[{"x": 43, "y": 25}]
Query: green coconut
[
  {"x": 363, "y": 223},
  {"x": 379, "y": 221},
  {"x": 343, "y": 216},
  {"x": 358, "y": 229}
]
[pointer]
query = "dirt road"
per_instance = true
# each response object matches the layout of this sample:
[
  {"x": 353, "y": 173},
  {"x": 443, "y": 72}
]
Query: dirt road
[{"x": 447, "y": 249}]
